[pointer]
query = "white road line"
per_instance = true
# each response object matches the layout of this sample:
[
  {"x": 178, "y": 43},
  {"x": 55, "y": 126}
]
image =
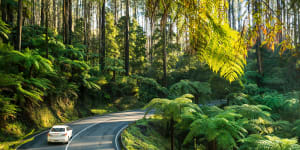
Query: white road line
[
  {"x": 34, "y": 137},
  {"x": 73, "y": 137},
  {"x": 116, "y": 138}
]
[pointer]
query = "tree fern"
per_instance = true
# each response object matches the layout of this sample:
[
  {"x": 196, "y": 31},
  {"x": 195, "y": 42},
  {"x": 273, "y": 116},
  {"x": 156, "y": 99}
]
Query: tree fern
[
  {"x": 200, "y": 90},
  {"x": 218, "y": 128},
  {"x": 267, "y": 142}
]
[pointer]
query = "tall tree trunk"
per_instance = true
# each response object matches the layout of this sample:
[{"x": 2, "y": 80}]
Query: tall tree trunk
[
  {"x": 116, "y": 14},
  {"x": 121, "y": 7},
  {"x": 229, "y": 13},
  {"x": 239, "y": 15},
  {"x": 127, "y": 39},
  {"x": 151, "y": 39},
  {"x": 70, "y": 21},
  {"x": 33, "y": 12},
  {"x": 100, "y": 30},
  {"x": 42, "y": 13},
  {"x": 295, "y": 24},
  {"x": 279, "y": 12},
  {"x": 47, "y": 24},
  {"x": 102, "y": 58},
  {"x": 135, "y": 9},
  {"x": 54, "y": 14},
  {"x": 65, "y": 21},
  {"x": 258, "y": 40},
  {"x": 164, "y": 53},
  {"x": 4, "y": 11},
  {"x": 172, "y": 133},
  {"x": 77, "y": 10},
  {"x": 20, "y": 17},
  {"x": 233, "y": 14}
]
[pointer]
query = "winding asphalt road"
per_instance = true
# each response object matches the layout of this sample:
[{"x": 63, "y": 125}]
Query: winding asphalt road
[{"x": 94, "y": 133}]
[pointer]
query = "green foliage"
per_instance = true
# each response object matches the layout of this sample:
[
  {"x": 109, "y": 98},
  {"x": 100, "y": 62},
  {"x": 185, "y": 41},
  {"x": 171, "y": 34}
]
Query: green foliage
[
  {"x": 149, "y": 89},
  {"x": 267, "y": 142},
  {"x": 221, "y": 88},
  {"x": 4, "y": 30},
  {"x": 198, "y": 89},
  {"x": 220, "y": 128},
  {"x": 170, "y": 109}
]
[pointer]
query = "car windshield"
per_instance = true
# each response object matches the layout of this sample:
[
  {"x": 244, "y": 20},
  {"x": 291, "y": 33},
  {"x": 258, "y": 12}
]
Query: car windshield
[{"x": 58, "y": 130}]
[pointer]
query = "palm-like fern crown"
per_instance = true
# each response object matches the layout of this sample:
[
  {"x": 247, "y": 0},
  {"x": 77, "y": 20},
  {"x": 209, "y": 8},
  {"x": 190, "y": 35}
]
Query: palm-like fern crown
[
  {"x": 222, "y": 127},
  {"x": 170, "y": 109},
  {"x": 193, "y": 87},
  {"x": 259, "y": 142}
]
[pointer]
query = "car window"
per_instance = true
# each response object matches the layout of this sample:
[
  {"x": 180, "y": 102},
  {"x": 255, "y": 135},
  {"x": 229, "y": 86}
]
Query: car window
[
  {"x": 68, "y": 128},
  {"x": 58, "y": 130}
]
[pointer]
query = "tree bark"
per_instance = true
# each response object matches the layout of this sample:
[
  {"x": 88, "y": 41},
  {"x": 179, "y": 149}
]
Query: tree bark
[
  {"x": 70, "y": 22},
  {"x": 65, "y": 21},
  {"x": 127, "y": 39},
  {"x": 233, "y": 15},
  {"x": 258, "y": 41},
  {"x": 54, "y": 14},
  {"x": 20, "y": 17},
  {"x": 47, "y": 24},
  {"x": 102, "y": 58},
  {"x": 116, "y": 14},
  {"x": 279, "y": 11},
  {"x": 42, "y": 13},
  {"x": 33, "y": 12},
  {"x": 172, "y": 133}
]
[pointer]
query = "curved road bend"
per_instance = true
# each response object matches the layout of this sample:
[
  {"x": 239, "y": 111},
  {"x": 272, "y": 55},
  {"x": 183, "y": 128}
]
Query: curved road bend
[{"x": 92, "y": 133}]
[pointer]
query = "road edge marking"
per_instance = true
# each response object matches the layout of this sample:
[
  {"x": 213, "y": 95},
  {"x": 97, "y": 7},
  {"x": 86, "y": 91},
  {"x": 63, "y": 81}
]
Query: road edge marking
[
  {"x": 117, "y": 136},
  {"x": 73, "y": 137},
  {"x": 34, "y": 137}
]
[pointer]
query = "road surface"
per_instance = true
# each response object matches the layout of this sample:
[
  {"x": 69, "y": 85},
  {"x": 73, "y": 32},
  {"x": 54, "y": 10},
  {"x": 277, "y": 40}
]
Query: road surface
[{"x": 94, "y": 133}]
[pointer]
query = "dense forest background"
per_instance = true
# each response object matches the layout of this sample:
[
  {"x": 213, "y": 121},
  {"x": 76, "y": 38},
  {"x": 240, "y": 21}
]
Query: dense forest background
[{"x": 65, "y": 59}]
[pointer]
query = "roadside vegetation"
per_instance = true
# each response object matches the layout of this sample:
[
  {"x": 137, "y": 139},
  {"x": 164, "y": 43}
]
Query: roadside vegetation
[{"x": 62, "y": 60}]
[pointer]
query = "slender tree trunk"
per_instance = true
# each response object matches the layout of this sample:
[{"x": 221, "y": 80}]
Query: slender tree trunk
[
  {"x": 239, "y": 16},
  {"x": 127, "y": 39},
  {"x": 20, "y": 17},
  {"x": 279, "y": 12},
  {"x": 298, "y": 30},
  {"x": 229, "y": 13},
  {"x": 100, "y": 38},
  {"x": 151, "y": 39},
  {"x": 102, "y": 58},
  {"x": 47, "y": 24},
  {"x": 295, "y": 24},
  {"x": 66, "y": 21},
  {"x": 164, "y": 53},
  {"x": 33, "y": 12},
  {"x": 4, "y": 11},
  {"x": 54, "y": 14},
  {"x": 258, "y": 41},
  {"x": 172, "y": 133},
  {"x": 121, "y": 8},
  {"x": 70, "y": 21},
  {"x": 233, "y": 14},
  {"x": 135, "y": 9},
  {"x": 42, "y": 13},
  {"x": 116, "y": 14},
  {"x": 77, "y": 9}
]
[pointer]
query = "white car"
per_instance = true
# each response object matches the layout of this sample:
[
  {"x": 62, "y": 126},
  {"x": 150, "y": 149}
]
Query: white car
[{"x": 59, "y": 133}]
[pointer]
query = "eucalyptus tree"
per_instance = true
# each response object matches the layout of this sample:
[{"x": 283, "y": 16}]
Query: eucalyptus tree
[{"x": 20, "y": 24}]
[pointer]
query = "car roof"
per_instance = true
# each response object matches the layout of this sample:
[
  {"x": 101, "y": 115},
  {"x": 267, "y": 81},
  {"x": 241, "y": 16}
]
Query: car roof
[{"x": 60, "y": 126}]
